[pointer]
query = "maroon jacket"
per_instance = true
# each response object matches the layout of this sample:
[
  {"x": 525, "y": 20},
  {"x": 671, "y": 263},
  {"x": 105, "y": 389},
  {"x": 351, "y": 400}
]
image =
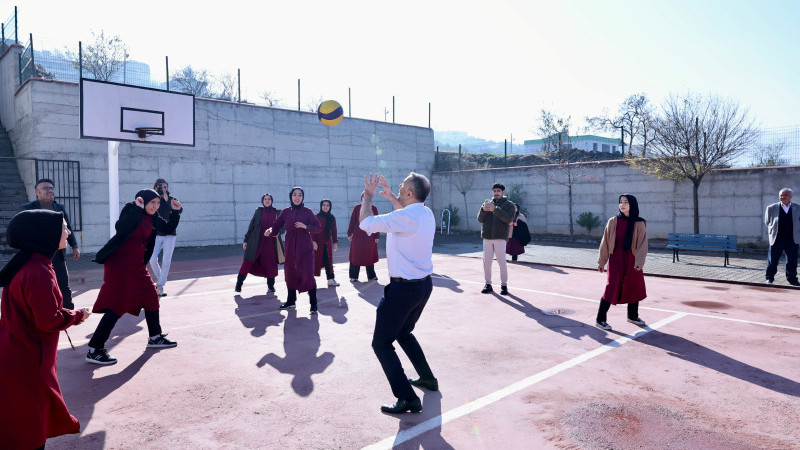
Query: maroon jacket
[
  {"x": 322, "y": 240},
  {"x": 32, "y": 315},
  {"x": 363, "y": 248},
  {"x": 298, "y": 251}
]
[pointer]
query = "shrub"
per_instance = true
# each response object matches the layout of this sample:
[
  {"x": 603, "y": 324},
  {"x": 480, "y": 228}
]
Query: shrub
[
  {"x": 588, "y": 221},
  {"x": 454, "y": 219}
]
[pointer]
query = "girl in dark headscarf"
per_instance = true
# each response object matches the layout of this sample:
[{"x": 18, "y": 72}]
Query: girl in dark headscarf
[
  {"x": 363, "y": 247},
  {"x": 31, "y": 316},
  {"x": 325, "y": 242},
  {"x": 127, "y": 287},
  {"x": 261, "y": 253},
  {"x": 624, "y": 247},
  {"x": 298, "y": 269}
]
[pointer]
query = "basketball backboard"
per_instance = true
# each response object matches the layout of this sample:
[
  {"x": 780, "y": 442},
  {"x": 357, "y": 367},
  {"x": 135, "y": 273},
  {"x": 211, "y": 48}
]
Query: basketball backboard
[{"x": 120, "y": 112}]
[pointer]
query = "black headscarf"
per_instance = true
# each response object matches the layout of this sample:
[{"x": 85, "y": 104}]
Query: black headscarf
[
  {"x": 271, "y": 205},
  {"x": 32, "y": 231},
  {"x": 633, "y": 217},
  {"x": 291, "y": 203},
  {"x": 329, "y": 219},
  {"x": 147, "y": 195}
]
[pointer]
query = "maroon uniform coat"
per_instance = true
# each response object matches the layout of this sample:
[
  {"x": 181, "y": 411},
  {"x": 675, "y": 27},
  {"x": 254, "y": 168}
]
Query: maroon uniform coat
[
  {"x": 299, "y": 251},
  {"x": 322, "y": 239},
  {"x": 261, "y": 255},
  {"x": 32, "y": 408},
  {"x": 625, "y": 284},
  {"x": 363, "y": 248}
]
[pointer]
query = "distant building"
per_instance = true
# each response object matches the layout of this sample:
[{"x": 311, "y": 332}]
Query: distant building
[{"x": 587, "y": 142}]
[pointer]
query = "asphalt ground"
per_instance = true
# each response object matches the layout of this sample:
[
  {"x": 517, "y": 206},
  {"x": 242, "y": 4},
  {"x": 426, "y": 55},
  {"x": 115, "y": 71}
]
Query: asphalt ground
[{"x": 716, "y": 367}]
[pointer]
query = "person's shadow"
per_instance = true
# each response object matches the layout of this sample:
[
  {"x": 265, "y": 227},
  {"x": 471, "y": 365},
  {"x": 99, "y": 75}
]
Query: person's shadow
[
  {"x": 258, "y": 313},
  {"x": 301, "y": 343},
  {"x": 335, "y": 307},
  {"x": 371, "y": 292},
  {"x": 431, "y": 416},
  {"x": 674, "y": 346},
  {"x": 82, "y": 391},
  {"x": 446, "y": 282}
]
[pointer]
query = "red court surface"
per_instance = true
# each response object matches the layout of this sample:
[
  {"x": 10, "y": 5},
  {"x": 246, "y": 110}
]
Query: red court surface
[{"x": 718, "y": 366}]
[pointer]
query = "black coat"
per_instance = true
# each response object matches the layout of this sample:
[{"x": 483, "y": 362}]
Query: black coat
[
  {"x": 57, "y": 207},
  {"x": 164, "y": 212},
  {"x": 129, "y": 220}
]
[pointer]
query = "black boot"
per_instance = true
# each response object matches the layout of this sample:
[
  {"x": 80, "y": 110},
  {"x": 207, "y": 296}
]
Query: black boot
[
  {"x": 239, "y": 281},
  {"x": 312, "y": 297},
  {"x": 270, "y": 285}
]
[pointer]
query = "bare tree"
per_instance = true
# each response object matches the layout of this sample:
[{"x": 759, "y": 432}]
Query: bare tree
[
  {"x": 314, "y": 103},
  {"x": 464, "y": 181},
  {"x": 635, "y": 117},
  {"x": 190, "y": 81},
  {"x": 696, "y": 135},
  {"x": 226, "y": 87},
  {"x": 102, "y": 58},
  {"x": 558, "y": 150},
  {"x": 271, "y": 98},
  {"x": 769, "y": 155}
]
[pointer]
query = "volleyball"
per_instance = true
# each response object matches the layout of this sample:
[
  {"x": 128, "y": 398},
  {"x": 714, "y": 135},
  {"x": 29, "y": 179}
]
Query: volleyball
[{"x": 330, "y": 112}]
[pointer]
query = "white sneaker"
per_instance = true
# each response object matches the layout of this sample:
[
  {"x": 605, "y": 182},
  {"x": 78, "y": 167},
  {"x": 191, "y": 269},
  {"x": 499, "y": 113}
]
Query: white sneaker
[
  {"x": 160, "y": 290},
  {"x": 333, "y": 282}
]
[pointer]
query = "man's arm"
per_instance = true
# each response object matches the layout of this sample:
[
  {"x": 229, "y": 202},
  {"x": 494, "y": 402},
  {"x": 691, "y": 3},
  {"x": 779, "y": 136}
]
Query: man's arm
[
  {"x": 387, "y": 192},
  {"x": 370, "y": 187}
]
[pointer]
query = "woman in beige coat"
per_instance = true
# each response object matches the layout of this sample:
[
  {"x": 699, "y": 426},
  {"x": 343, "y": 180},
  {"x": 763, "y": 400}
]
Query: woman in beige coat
[{"x": 624, "y": 248}]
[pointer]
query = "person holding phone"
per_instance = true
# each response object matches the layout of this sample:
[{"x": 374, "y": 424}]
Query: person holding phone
[{"x": 165, "y": 240}]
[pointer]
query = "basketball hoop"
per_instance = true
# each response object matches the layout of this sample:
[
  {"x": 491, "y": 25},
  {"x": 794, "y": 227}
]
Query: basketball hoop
[{"x": 143, "y": 132}]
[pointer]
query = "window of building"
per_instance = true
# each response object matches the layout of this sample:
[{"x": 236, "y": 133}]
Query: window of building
[
  {"x": 605, "y": 148},
  {"x": 594, "y": 147}
]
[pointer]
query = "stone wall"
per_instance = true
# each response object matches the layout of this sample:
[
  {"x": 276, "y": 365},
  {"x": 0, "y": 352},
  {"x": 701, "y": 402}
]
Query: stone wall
[
  {"x": 732, "y": 201},
  {"x": 241, "y": 152}
]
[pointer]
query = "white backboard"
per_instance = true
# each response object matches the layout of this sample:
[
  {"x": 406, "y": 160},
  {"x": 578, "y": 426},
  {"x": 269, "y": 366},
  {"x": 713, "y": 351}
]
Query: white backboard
[{"x": 113, "y": 111}]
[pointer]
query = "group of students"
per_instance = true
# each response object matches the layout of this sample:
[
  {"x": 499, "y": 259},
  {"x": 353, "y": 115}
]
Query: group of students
[
  {"x": 309, "y": 244},
  {"x": 32, "y": 311}
]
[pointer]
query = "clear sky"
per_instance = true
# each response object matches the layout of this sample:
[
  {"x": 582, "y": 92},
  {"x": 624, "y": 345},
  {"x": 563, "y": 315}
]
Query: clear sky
[{"x": 487, "y": 67}]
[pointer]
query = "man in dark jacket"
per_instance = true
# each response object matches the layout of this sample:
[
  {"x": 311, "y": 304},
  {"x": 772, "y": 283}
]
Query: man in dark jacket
[
  {"x": 45, "y": 199},
  {"x": 495, "y": 215},
  {"x": 164, "y": 240}
]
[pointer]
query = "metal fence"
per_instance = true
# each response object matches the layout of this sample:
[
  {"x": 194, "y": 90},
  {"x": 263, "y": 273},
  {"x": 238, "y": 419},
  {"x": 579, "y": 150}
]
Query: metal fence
[
  {"x": 9, "y": 32},
  {"x": 66, "y": 176}
]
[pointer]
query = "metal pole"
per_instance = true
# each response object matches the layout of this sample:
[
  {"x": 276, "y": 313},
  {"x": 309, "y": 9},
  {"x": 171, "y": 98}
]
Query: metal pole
[
  {"x": 393, "y": 109},
  {"x": 298, "y": 94},
  {"x": 125, "y": 70},
  {"x": 113, "y": 185},
  {"x": 16, "y": 28},
  {"x": 33, "y": 62},
  {"x": 167, "y": 62},
  {"x": 459, "y": 156},
  {"x": 505, "y": 151},
  {"x": 429, "y": 114},
  {"x": 239, "y": 83},
  {"x": 622, "y": 139},
  {"x": 3, "y": 31},
  {"x": 80, "y": 60},
  {"x": 435, "y": 160},
  {"x": 349, "y": 105}
]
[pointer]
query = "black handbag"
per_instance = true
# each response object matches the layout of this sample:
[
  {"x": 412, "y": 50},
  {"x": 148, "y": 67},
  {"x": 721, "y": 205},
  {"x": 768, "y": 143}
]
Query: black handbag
[{"x": 521, "y": 233}]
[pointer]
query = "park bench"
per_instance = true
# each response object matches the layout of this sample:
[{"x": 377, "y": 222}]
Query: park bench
[{"x": 725, "y": 243}]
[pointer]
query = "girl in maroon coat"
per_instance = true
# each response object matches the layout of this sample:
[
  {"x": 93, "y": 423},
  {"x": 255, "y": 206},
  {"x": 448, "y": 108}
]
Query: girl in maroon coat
[
  {"x": 325, "y": 242},
  {"x": 298, "y": 269},
  {"x": 32, "y": 408},
  {"x": 363, "y": 247},
  {"x": 260, "y": 251},
  {"x": 127, "y": 287},
  {"x": 624, "y": 247}
]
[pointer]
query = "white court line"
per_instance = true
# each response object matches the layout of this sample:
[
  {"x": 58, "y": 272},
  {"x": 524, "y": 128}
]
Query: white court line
[
  {"x": 496, "y": 396},
  {"x": 556, "y": 294}
]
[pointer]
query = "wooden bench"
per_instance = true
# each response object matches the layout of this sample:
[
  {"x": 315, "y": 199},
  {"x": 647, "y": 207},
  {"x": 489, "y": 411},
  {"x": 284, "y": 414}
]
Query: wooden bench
[{"x": 725, "y": 243}]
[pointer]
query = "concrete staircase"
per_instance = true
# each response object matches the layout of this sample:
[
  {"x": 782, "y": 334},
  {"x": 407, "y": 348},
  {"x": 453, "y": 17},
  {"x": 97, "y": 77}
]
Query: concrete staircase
[{"x": 12, "y": 191}]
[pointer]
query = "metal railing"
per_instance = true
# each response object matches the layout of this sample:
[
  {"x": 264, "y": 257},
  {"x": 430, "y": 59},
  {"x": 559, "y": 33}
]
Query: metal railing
[
  {"x": 66, "y": 176},
  {"x": 9, "y": 33},
  {"x": 443, "y": 221}
]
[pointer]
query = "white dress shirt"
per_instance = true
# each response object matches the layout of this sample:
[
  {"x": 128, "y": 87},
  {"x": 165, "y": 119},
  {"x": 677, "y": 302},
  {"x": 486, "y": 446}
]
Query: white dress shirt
[
  {"x": 409, "y": 239},
  {"x": 786, "y": 207}
]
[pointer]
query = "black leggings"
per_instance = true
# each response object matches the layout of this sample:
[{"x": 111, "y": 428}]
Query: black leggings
[
  {"x": 326, "y": 263},
  {"x": 355, "y": 270},
  {"x": 291, "y": 299},
  {"x": 109, "y": 319},
  {"x": 633, "y": 310}
]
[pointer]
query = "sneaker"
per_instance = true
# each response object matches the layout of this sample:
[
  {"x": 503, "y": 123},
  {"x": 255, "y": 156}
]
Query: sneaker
[
  {"x": 637, "y": 321},
  {"x": 503, "y": 290},
  {"x": 603, "y": 325},
  {"x": 160, "y": 290},
  {"x": 794, "y": 282},
  {"x": 288, "y": 306},
  {"x": 333, "y": 282},
  {"x": 313, "y": 310},
  {"x": 161, "y": 341},
  {"x": 100, "y": 356},
  {"x": 487, "y": 289},
  {"x": 769, "y": 281},
  {"x": 373, "y": 279},
  {"x": 270, "y": 288},
  {"x": 353, "y": 280}
]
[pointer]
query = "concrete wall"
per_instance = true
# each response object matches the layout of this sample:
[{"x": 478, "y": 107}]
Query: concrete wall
[
  {"x": 241, "y": 152},
  {"x": 731, "y": 201}
]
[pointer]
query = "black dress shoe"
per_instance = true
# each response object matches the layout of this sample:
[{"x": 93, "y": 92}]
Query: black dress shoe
[
  {"x": 402, "y": 406},
  {"x": 794, "y": 282},
  {"x": 487, "y": 289},
  {"x": 503, "y": 290},
  {"x": 431, "y": 384}
]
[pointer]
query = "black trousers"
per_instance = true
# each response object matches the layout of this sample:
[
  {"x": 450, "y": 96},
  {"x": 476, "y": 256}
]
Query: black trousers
[
  {"x": 355, "y": 270},
  {"x": 395, "y": 318},
  {"x": 62, "y": 276},
  {"x": 782, "y": 245},
  {"x": 326, "y": 263},
  {"x": 291, "y": 299},
  {"x": 602, "y": 312},
  {"x": 109, "y": 319}
]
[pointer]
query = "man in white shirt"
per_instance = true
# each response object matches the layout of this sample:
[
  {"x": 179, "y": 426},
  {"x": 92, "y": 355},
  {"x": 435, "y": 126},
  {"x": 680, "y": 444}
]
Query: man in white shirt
[{"x": 409, "y": 249}]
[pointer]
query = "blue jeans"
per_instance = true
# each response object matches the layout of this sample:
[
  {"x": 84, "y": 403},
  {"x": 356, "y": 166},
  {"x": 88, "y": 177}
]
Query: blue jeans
[
  {"x": 774, "y": 255},
  {"x": 396, "y": 316}
]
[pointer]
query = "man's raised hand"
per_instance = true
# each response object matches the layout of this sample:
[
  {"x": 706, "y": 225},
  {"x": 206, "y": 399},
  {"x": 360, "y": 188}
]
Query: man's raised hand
[{"x": 371, "y": 185}]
